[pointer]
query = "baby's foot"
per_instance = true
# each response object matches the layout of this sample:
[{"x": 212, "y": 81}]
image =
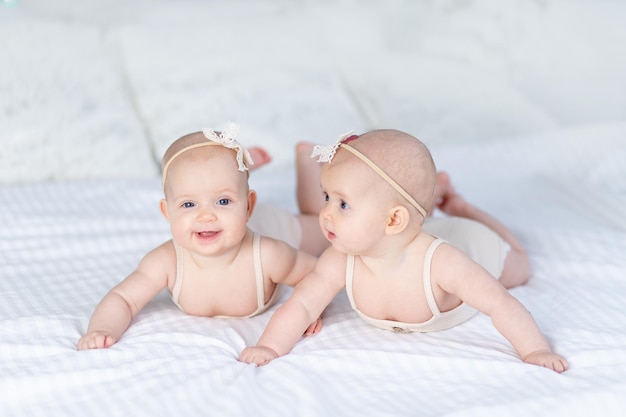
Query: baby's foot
[
  {"x": 448, "y": 200},
  {"x": 259, "y": 156},
  {"x": 310, "y": 199},
  {"x": 307, "y": 166},
  {"x": 304, "y": 149}
]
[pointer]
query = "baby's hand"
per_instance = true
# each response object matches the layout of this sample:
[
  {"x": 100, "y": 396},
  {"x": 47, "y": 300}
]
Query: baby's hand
[
  {"x": 548, "y": 360},
  {"x": 314, "y": 328},
  {"x": 96, "y": 340},
  {"x": 259, "y": 355}
]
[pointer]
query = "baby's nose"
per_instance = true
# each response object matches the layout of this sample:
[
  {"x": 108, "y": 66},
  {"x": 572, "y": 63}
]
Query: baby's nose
[
  {"x": 206, "y": 214},
  {"x": 326, "y": 212}
]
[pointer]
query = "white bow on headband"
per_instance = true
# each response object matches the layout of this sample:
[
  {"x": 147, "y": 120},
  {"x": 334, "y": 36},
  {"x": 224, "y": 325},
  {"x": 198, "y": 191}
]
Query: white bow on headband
[
  {"x": 227, "y": 139},
  {"x": 327, "y": 152}
]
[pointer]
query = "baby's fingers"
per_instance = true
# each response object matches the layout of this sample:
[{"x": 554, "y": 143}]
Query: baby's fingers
[
  {"x": 548, "y": 360},
  {"x": 95, "y": 341},
  {"x": 257, "y": 355},
  {"x": 559, "y": 365},
  {"x": 314, "y": 328}
]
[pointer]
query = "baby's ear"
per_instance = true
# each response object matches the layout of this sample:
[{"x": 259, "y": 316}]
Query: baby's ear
[
  {"x": 251, "y": 202},
  {"x": 397, "y": 220},
  {"x": 163, "y": 206}
]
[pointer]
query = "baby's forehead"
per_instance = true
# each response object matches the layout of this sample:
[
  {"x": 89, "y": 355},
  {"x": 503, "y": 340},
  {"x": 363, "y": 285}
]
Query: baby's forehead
[
  {"x": 209, "y": 161},
  {"x": 215, "y": 152},
  {"x": 180, "y": 144},
  {"x": 346, "y": 167}
]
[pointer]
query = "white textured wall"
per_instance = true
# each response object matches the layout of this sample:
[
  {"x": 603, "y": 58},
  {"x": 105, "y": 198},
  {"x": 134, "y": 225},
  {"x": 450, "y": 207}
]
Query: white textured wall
[{"x": 99, "y": 88}]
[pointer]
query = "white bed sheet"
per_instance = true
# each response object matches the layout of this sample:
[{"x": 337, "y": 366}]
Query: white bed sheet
[{"x": 63, "y": 245}]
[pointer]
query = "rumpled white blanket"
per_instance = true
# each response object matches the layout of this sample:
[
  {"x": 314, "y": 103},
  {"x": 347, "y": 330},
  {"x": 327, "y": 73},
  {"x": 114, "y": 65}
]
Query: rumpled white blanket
[{"x": 63, "y": 245}]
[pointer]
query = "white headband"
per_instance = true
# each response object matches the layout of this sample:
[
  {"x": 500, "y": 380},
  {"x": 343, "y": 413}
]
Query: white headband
[
  {"x": 226, "y": 139},
  {"x": 326, "y": 154}
]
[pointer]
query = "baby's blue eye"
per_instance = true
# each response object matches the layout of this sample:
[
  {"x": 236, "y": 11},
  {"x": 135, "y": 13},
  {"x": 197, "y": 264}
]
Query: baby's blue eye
[
  {"x": 326, "y": 198},
  {"x": 223, "y": 202},
  {"x": 344, "y": 205},
  {"x": 188, "y": 204}
]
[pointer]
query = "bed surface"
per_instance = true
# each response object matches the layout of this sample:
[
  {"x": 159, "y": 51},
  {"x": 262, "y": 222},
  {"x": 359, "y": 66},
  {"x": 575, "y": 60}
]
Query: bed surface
[{"x": 530, "y": 130}]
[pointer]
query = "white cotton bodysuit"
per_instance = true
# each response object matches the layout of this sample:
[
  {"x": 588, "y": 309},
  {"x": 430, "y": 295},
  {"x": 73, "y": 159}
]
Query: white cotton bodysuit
[
  {"x": 258, "y": 273},
  {"x": 479, "y": 242}
]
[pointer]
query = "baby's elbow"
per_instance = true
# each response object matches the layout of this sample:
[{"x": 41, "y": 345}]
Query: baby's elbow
[
  {"x": 300, "y": 311},
  {"x": 131, "y": 307}
]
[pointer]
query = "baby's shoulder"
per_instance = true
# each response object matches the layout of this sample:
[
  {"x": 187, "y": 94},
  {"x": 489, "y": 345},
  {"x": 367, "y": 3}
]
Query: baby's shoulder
[
  {"x": 434, "y": 250},
  {"x": 448, "y": 262},
  {"x": 165, "y": 247},
  {"x": 159, "y": 262},
  {"x": 442, "y": 251},
  {"x": 165, "y": 252},
  {"x": 332, "y": 259},
  {"x": 275, "y": 247}
]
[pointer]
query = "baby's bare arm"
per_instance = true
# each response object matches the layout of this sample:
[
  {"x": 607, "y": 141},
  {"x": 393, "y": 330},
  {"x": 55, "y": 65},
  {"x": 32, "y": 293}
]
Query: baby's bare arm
[
  {"x": 461, "y": 276},
  {"x": 288, "y": 266},
  {"x": 285, "y": 264},
  {"x": 110, "y": 319},
  {"x": 519, "y": 327},
  {"x": 113, "y": 314},
  {"x": 284, "y": 329},
  {"x": 309, "y": 298}
]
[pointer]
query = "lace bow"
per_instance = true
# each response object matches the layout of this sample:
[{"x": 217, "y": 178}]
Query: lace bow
[
  {"x": 227, "y": 139},
  {"x": 327, "y": 152}
]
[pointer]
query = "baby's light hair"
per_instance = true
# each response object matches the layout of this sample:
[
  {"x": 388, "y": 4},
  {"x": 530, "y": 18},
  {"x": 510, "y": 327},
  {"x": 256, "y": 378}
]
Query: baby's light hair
[
  {"x": 391, "y": 154},
  {"x": 207, "y": 137}
]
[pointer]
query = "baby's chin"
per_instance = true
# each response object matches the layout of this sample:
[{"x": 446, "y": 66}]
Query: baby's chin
[{"x": 341, "y": 247}]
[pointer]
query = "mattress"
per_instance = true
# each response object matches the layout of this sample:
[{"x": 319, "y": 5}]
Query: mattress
[{"x": 64, "y": 244}]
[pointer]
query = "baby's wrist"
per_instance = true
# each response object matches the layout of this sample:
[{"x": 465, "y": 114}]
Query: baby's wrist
[
  {"x": 269, "y": 350},
  {"x": 535, "y": 353}
]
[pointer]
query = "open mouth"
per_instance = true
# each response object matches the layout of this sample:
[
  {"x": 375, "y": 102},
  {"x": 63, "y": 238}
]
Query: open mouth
[{"x": 207, "y": 235}]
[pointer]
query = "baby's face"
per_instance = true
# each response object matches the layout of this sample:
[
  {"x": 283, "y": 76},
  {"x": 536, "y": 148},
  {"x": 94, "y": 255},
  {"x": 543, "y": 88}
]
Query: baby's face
[
  {"x": 207, "y": 201},
  {"x": 354, "y": 216}
]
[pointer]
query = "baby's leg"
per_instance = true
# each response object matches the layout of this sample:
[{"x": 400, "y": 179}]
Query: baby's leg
[
  {"x": 310, "y": 200},
  {"x": 517, "y": 265},
  {"x": 313, "y": 241},
  {"x": 309, "y": 193},
  {"x": 446, "y": 198},
  {"x": 259, "y": 156}
]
